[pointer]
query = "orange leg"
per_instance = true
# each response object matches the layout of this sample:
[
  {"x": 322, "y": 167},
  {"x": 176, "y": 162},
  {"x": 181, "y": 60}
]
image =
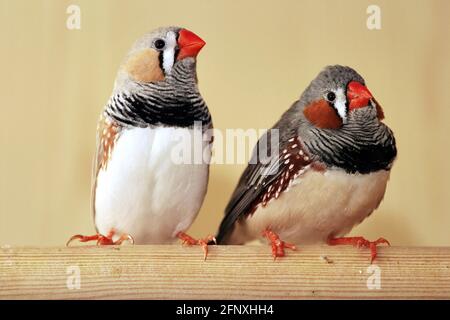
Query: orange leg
[
  {"x": 101, "y": 239},
  {"x": 277, "y": 244},
  {"x": 187, "y": 239},
  {"x": 360, "y": 242}
]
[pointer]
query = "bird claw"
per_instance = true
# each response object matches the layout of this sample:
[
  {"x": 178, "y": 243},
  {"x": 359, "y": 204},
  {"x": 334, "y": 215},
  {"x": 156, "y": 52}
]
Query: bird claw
[
  {"x": 101, "y": 239},
  {"x": 124, "y": 237},
  {"x": 360, "y": 242},
  {"x": 188, "y": 240},
  {"x": 277, "y": 244}
]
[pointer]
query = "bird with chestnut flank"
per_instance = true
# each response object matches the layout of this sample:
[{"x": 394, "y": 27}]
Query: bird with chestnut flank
[
  {"x": 139, "y": 193},
  {"x": 328, "y": 172}
]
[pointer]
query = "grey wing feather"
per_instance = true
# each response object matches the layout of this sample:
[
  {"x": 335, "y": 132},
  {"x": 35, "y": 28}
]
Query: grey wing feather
[
  {"x": 258, "y": 176},
  {"x": 252, "y": 184}
]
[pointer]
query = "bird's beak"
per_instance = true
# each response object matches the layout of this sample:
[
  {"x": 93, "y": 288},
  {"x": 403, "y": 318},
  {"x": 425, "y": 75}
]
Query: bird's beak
[
  {"x": 357, "y": 95},
  {"x": 189, "y": 44}
]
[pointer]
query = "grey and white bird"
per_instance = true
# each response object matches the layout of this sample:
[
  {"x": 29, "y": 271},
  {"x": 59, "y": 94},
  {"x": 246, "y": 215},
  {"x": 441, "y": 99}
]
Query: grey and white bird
[
  {"x": 141, "y": 191},
  {"x": 327, "y": 173}
]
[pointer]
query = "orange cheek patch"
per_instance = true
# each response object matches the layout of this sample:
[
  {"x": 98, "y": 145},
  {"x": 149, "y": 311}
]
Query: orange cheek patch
[
  {"x": 144, "y": 66},
  {"x": 322, "y": 115}
]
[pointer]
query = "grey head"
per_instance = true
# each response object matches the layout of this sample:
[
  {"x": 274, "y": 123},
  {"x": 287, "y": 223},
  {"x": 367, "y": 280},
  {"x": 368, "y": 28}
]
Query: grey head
[
  {"x": 158, "y": 56},
  {"x": 157, "y": 82},
  {"x": 332, "y": 85},
  {"x": 340, "y": 123}
]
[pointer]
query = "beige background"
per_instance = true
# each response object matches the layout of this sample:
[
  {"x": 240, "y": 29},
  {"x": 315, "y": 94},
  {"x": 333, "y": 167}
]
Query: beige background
[{"x": 259, "y": 57}]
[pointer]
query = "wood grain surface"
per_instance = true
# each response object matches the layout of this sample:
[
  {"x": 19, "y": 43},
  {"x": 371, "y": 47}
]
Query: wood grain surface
[{"x": 230, "y": 272}]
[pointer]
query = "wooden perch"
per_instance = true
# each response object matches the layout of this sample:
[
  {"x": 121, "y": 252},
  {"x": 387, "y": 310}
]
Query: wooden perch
[{"x": 230, "y": 272}]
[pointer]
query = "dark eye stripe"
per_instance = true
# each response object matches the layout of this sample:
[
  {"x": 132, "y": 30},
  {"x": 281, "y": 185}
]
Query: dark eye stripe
[
  {"x": 160, "y": 44},
  {"x": 161, "y": 61},
  {"x": 177, "y": 51}
]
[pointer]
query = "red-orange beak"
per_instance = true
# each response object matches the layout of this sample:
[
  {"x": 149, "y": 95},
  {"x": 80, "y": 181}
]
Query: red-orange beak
[
  {"x": 357, "y": 95},
  {"x": 189, "y": 44}
]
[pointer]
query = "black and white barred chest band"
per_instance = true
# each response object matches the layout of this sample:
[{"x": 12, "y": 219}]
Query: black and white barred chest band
[
  {"x": 360, "y": 146},
  {"x": 174, "y": 102}
]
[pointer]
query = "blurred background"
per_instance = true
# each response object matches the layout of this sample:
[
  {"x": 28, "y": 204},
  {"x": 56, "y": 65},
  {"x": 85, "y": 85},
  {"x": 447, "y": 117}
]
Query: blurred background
[{"x": 259, "y": 57}]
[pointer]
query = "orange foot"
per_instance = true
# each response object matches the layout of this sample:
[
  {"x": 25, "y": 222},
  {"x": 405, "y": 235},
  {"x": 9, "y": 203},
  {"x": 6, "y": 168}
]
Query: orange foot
[
  {"x": 277, "y": 244},
  {"x": 360, "y": 242},
  {"x": 187, "y": 239},
  {"x": 101, "y": 239}
]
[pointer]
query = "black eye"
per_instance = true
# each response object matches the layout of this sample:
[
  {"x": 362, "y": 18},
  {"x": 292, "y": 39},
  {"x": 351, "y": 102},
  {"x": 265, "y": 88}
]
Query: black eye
[
  {"x": 331, "y": 96},
  {"x": 159, "y": 43}
]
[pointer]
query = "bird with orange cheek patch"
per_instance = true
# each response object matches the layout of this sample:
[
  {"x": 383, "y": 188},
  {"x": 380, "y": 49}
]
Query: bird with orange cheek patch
[
  {"x": 327, "y": 173},
  {"x": 140, "y": 193}
]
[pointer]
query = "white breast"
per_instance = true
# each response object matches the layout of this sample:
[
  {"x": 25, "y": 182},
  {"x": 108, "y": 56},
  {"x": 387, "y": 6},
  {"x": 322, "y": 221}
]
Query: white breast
[
  {"x": 316, "y": 206},
  {"x": 144, "y": 191}
]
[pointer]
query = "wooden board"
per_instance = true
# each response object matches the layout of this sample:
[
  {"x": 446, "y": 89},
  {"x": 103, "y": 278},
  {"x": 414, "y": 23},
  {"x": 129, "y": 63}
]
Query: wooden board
[{"x": 230, "y": 272}]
